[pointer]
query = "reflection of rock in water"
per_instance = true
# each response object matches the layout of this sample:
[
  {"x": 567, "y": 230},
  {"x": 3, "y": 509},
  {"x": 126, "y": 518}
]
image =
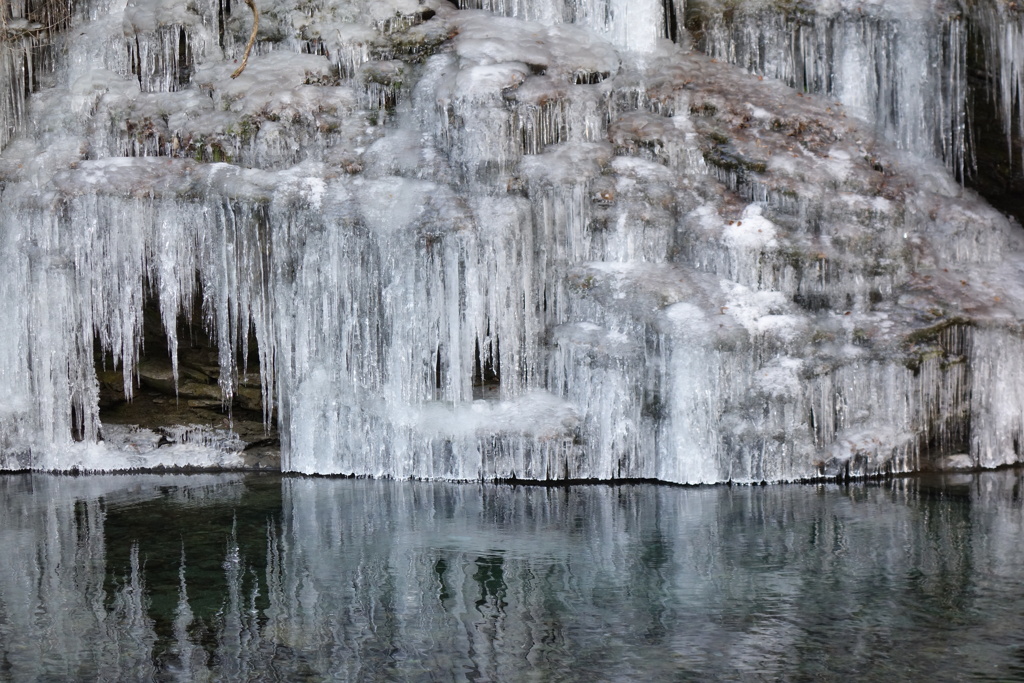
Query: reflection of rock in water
[{"x": 524, "y": 241}]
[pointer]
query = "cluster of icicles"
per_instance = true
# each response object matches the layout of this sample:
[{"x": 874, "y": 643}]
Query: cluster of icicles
[{"x": 441, "y": 284}]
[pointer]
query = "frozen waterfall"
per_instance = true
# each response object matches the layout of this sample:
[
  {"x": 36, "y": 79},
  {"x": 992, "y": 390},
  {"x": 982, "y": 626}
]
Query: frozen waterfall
[{"x": 528, "y": 239}]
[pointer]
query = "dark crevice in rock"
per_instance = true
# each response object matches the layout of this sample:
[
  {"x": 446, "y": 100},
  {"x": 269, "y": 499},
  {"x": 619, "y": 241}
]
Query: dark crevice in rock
[
  {"x": 997, "y": 171},
  {"x": 159, "y": 405}
]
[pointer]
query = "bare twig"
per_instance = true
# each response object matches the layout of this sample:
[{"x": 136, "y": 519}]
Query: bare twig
[{"x": 252, "y": 38}]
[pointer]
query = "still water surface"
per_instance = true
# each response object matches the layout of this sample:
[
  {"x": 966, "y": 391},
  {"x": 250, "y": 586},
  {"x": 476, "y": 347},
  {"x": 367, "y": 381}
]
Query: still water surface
[{"x": 262, "y": 577}]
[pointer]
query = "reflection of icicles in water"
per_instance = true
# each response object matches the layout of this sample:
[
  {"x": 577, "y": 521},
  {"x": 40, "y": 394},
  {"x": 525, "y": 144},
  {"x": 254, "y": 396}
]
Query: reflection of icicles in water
[
  {"x": 360, "y": 579},
  {"x": 191, "y": 662},
  {"x": 129, "y": 629},
  {"x": 238, "y": 645}
]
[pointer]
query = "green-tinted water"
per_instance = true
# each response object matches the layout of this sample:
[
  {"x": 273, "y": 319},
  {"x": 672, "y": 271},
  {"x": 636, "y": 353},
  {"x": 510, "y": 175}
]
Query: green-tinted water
[{"x": 259, "y": 577}]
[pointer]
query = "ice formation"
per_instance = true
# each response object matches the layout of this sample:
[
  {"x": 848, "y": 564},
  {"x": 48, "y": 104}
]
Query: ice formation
[
  {"x": 525, "y": 239},
  {"x": 905, "y": 66}
]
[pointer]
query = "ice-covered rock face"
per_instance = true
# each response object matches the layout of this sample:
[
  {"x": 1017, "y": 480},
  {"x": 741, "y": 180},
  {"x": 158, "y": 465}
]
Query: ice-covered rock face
[
  {"x": 935, "y": 77},
  {"x": 490, "y": 242}
]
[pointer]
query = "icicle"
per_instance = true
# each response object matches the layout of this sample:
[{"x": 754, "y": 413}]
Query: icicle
[{"x": 1001, "y": 28}]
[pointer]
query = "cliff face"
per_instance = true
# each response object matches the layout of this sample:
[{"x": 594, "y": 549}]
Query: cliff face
[
  {"x": 940, "y": 78},
  {"x": 529, "y": 240}
]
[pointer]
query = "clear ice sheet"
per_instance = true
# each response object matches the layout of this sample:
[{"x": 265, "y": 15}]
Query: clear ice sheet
[{"x": 499, "y": 241}]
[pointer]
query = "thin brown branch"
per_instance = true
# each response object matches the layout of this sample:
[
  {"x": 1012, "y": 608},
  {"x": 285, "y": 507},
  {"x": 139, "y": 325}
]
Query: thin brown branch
[{"x": 252, "y": 38}]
